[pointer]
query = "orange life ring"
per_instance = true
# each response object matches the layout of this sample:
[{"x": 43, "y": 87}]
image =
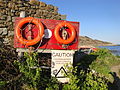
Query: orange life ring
[
  {"x": 29, "y": 20},
  {"x": 57, "y": 35}
]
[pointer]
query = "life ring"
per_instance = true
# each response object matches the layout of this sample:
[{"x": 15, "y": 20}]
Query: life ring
[
  {"x": 57, "y": 34},
  {"x": 38, "y": 24}
]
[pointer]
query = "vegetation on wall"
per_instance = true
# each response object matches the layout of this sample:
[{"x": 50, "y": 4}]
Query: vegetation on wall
[{"x": 26, "y": 74}]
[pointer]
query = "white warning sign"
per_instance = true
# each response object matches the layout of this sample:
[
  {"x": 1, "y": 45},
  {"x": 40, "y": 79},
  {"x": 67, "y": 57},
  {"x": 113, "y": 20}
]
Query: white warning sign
[{"x": 59, "y": 59}]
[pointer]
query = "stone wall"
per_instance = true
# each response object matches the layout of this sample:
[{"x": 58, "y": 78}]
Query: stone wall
[{"x": 9, "y": 9}]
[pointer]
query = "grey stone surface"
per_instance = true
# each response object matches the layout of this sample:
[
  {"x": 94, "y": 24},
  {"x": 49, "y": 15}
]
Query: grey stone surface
[
  {"x": 1, "y": 43},
  {"x": 10, "y": 33},
  {"x": 6, "y": 41},
  {"x": 9, "y": 18},
  {"x": 3, "y": 31},
  {"x": 13, "y": 19}
]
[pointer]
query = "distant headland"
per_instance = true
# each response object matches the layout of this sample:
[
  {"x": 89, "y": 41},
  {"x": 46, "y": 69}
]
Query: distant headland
[{"x": 85, "y": 40}]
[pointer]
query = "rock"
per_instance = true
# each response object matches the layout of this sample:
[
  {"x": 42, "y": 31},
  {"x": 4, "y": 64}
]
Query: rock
[
  {"x": 63, "y": 17},
  {"x": 10, "y": 33},
  {"x": 1, "y": 0},
  {"x": 9, "y": 18},
  {"x": 10, "y": 5},
  {"x": 6, "y": 41},
  {"x": 3, "y": 31},
  {"x": 3, "y": 17},
  {"x": 1, "y": 43},
  {"x": 13, "y": 19},
  {"x": 1, "y": 25},
  {"x": 19, "y": 2},
  {"x": 42, "y": 4},
  {"x": 13, "y": 10},
  {"x": 56, "y": 9}
]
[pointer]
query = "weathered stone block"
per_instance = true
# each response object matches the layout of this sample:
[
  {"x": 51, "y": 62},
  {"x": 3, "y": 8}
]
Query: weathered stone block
[
  {"x": 37, "y": 7},
  {"x": 13, "y": 6},
  {"x": 12, "y": 14},
  {"x": 55, "y": 9},
  {"x": 10, "y": 33},
  {"x": 63, "y": 17},
  {"x": 50, "y": 7},
  {"x": 34, "y": 7},
  {"x": 3, "y": 11},
  {"x": 54, "y": 13},
  {"x": 6, "y": 41},
  {"x": 22, "y": 8},
  {"x": 1, "y": 42},
  {"x": 9, "y": 13},
  {"x": 49, "y": 15},
  {"x": 34, "y": 2},
  {"x": 13, "y": 19},
  {"x": 1, "y": 4},
  {"x": 13, "y": 0},
  {"x": 19, "y": 2},
  {"x": 3, "y": 31},
  {"x": 7, "y": 9},
  {"x": 2, "y": 8},
  {"x": 42, "y": 4},
  {"x": 45, "y": 13},
  {"x": 17, "y": 14},
  {"x": 10, "y": 5},
  {"x": 12, "y": 11},
  {"x": 2, "y": 25},
  {"x": 1, "y": 0},
  {"x": 16, "y": 7},
  {"x": 3, "y": 17},
  {"x": 1, "y": 14},
  {"x": 9, "y": 18}
]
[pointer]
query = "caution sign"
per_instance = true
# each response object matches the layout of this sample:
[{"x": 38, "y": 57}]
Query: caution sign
[{"x": 59, "y": 59}]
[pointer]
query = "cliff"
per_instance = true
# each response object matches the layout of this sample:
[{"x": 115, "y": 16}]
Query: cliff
[{"x": 84, "y": 40}]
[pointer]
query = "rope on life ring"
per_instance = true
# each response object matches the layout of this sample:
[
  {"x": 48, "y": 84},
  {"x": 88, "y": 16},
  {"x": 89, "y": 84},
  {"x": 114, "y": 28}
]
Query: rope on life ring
[
  {"x": 22, "y": 22},
  {"x": 57, "y": 34}
]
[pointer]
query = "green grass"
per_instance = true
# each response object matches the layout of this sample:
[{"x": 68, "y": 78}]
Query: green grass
[
  {"x": 118, "y": 56},
  {"x": 101, "y": 61}
]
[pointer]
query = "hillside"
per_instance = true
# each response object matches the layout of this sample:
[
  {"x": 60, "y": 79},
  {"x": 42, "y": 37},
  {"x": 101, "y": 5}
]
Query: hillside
[{"x": 84, "y": 40}]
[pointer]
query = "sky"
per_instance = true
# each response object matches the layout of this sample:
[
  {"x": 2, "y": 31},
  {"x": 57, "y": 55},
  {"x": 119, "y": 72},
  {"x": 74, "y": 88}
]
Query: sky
[{"x": 99, "y": 19}]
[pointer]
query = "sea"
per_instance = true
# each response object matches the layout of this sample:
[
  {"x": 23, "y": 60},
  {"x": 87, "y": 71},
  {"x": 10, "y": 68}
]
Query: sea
[{"x": 114, "y": 49}]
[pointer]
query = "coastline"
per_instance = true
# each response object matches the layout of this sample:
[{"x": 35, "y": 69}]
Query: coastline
[{"x": 87, "y": 41}]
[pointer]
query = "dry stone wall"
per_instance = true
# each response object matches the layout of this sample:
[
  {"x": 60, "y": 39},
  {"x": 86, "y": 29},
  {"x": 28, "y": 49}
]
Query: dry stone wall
[{"x": 9, "y": 9}]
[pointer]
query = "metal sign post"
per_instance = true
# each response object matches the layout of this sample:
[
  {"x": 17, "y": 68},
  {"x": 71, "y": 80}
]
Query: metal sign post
[{"x": 59, "y": 59}]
